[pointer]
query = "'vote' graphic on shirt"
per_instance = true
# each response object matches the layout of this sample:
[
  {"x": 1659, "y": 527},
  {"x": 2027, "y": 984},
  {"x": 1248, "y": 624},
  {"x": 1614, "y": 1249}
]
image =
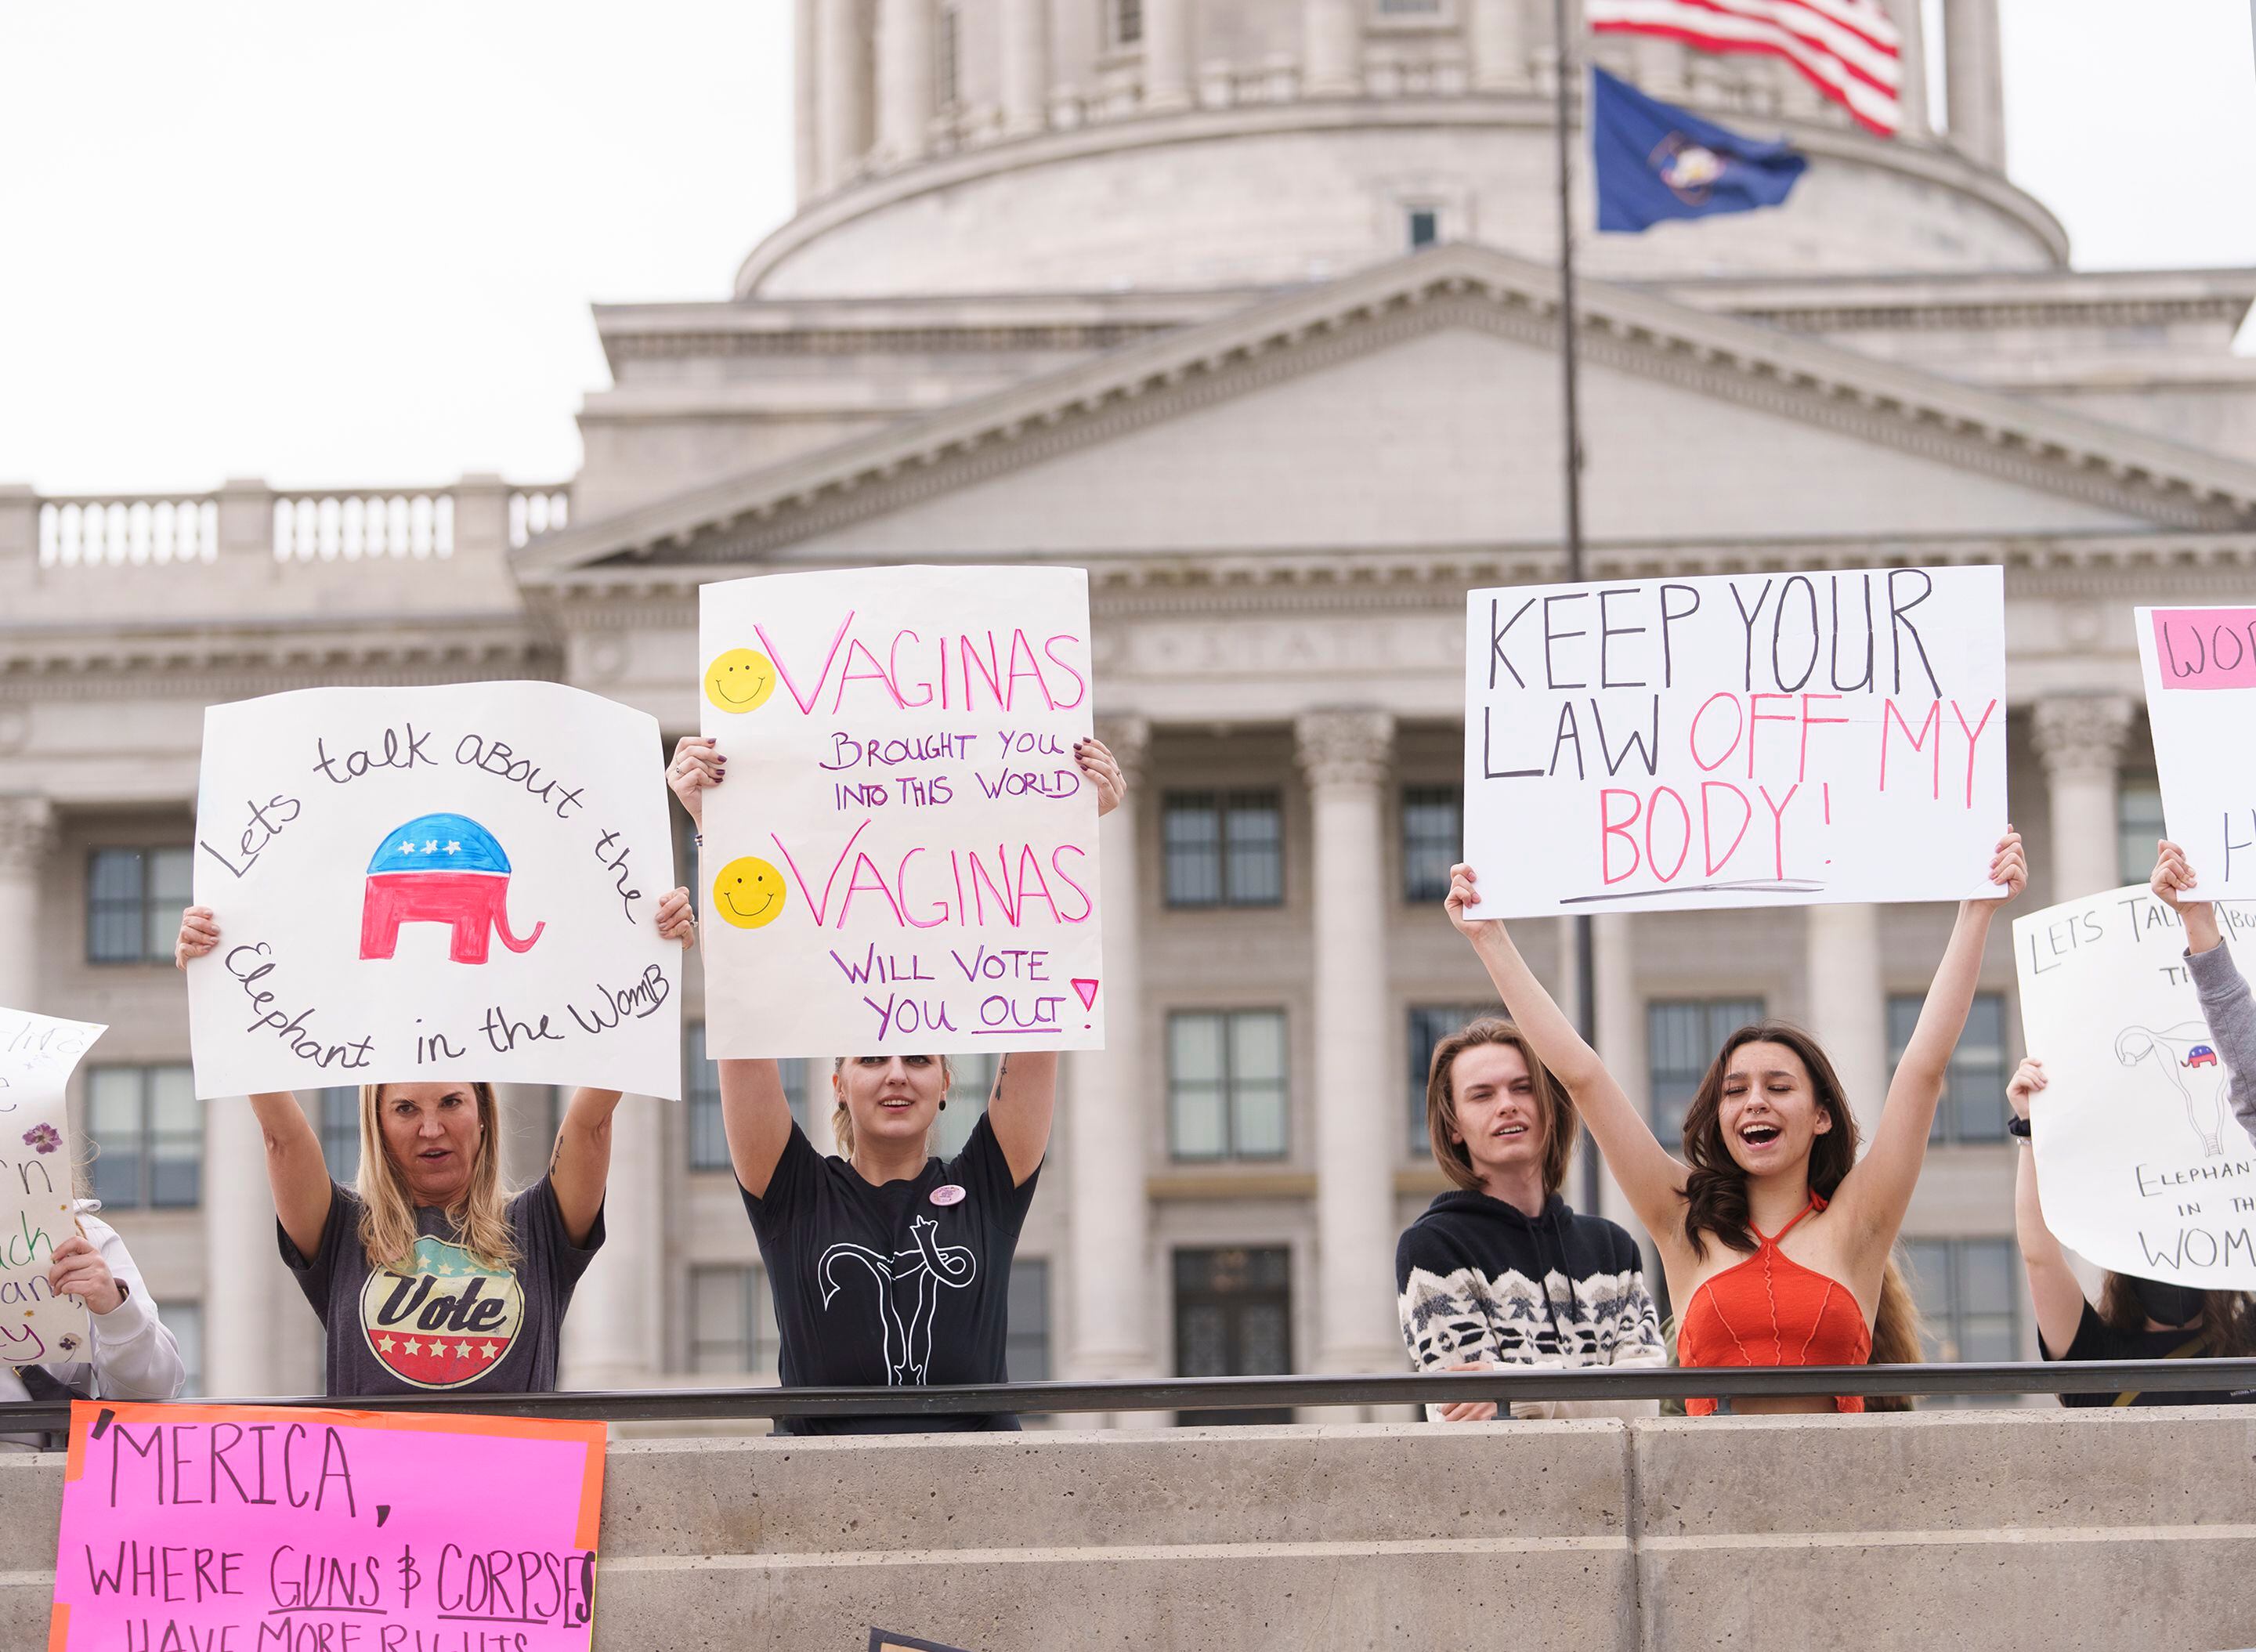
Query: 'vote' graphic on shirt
[{"x": 442, "y": 1318}]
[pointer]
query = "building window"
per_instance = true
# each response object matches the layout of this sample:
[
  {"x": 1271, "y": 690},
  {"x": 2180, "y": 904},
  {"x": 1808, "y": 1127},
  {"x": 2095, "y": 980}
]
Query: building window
[
  {"x": 148, "y": 1132},
  {"x": 1409, "y": 8},
  {"x": 727, "y": 1320},
  {"x": 186, "y": 1322},
  {"x": 1973, "y": 1106},
  {"x": 948, "y": 59},
  {"x": 1226, "y": 1084},
  {"x": 1224, "y": 848},
  {"x": 967, "y": 1103},
  {"x": 2138, "y": 826},
  {"x": 689, "y": 864},
  {"x": 709, "y": 1139},
  {"x": 1429, "y": 1025},
  {"x": 337, "y": 1117},
  {"x": 1126, "y": 21},
  {"x": 1433, "y": 835},
  {"x": 1425, "y": 226},
  {"x": 1964, "y": 1288},
  {"x": 1233, "y": 1318},
  {"x": 1026, "y": 1349},
  {"x": 133, "y": 902},
  {"x": 1681, "y": 1038}
]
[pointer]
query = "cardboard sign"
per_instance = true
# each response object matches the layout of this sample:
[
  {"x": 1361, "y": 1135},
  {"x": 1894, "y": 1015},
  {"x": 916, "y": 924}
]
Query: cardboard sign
[
  {"x": 435, "y": 884},
  {"x": 2199, "y": 667},
  {"x": 233, "y": 1529},
  {"x": 1735, "y": 740},
  {"x": 903, "y": 856},
  {"x": 2140, "y": 1163},
  {"x": 37, "y": 1157}
]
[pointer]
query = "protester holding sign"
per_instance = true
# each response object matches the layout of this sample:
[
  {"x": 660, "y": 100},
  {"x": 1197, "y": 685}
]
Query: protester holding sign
[
  {"x": 130, "y": 1355},
  {"x": 1502, "y": 1272},
  {"x": 1772, "y": 1171},
  {"x": 889, "y": 1266},
  {"x": 2134, "y": 1318},
  {"x": 429, "y": 1275}
]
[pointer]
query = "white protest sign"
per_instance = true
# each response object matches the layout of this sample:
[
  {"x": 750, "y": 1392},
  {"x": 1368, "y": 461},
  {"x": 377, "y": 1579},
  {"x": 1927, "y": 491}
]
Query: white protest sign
[
  {"x": 903, "y": 854},
  {"x": 2141, "y": 1165},
  {"x": 1733, "y": 740},
  {"x": 2200, "y": 666},
  {"x": 452, "y": 883},
  {"x": 37, "y": 1161}
]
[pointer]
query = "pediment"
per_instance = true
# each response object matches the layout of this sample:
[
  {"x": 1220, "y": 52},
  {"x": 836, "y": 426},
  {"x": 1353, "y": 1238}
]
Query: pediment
[{"x": 1417, "y": 406}]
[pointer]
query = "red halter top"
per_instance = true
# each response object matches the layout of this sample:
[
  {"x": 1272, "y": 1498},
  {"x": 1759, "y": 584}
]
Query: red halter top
[{"x": 1771, "y": 1310}]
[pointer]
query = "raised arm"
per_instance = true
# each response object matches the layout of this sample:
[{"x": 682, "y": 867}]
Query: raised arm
[
  {"x": 756, "y": 1113},
  {"x": 2053, "y": 1285},
  {"x": 2226, "y": 1005},
  {"x": 1653, "y": 1179},
  {"x": 1875, "y": 1195},
  {"x": 1021, "y": 1108},
  {"x": 294, "y": 1167}
]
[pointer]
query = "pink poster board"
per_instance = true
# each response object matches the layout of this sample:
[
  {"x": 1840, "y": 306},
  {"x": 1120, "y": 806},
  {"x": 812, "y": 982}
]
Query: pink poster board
[{"x": 259, "y": 1529}]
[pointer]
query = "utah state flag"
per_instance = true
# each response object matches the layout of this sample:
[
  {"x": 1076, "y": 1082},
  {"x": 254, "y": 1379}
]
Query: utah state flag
[{"x": 1654, "y": 161}]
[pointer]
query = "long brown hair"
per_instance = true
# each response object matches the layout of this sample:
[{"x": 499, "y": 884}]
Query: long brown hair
[
  {"x": 1560, "y": 1123},
  {"x": 2228, "y": 1317},
  {"x": 842, "y": 1121},
  {"x": 388, "y": 1232},
  {"x": 1716, "y": 1192}
]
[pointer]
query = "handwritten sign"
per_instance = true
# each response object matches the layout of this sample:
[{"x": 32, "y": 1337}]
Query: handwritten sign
[
  {"x": 2142, "y": 1167},
  {"x": 904, "y": 857},
  {"x": 1750, "y": 740},
  {"x": 38, "y": 1156},
  {"x": 435, "y": 884},
  {"x": 270, "y": 1529},
  {"x": 2200, "y": 666}
]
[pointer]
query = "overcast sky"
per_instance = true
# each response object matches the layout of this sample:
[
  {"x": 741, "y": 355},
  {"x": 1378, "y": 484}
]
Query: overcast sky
[{"x": 356, "y": 246}]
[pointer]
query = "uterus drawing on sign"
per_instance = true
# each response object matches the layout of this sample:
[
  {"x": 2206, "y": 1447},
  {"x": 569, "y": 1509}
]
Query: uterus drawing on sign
[
  {"x": 2187, "y": 1057},
  {"x": 439, "y": 869}
]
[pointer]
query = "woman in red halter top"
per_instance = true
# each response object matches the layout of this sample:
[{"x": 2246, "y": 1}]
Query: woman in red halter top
[{"x": 1774, "y": 1238}]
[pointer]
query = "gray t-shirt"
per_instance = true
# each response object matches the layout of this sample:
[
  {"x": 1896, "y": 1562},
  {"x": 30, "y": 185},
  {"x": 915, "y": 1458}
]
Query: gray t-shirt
[{"x": 443, "y": 1319}]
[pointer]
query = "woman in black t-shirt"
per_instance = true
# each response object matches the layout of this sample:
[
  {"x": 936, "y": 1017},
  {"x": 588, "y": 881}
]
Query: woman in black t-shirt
[
  {"x": 2135, "y": 1318},
  {"x": 888, "y": 1266}
]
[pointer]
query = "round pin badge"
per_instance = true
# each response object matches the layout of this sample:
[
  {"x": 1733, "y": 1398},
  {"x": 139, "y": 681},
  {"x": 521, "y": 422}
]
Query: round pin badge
[{"x": 948, "y": 1193}]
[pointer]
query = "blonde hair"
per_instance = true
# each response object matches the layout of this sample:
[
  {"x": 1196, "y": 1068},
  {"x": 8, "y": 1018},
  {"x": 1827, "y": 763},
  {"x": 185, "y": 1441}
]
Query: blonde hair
[
  {"x": 842, "y": 1121},
  {"x": 388, "y": 1231}
]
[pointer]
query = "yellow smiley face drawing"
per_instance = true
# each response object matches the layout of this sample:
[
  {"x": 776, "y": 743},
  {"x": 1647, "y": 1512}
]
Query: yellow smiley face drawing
[
  {"x": 740, "y": 679},
  {"x": 749, "y": 892}
]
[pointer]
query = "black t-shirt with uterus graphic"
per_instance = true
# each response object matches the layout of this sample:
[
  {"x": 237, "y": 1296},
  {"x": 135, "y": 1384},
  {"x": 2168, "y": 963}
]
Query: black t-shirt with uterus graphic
[{"x": 904, "y": 1284}]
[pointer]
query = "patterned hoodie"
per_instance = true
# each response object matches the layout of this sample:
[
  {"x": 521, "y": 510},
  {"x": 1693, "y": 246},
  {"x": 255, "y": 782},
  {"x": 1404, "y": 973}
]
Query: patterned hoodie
[{"x": 1477, "y": 1280}]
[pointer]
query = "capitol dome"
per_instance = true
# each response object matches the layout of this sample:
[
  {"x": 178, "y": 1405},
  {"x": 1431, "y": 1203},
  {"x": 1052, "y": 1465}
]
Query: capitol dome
[{"x": 987, "y": 146}]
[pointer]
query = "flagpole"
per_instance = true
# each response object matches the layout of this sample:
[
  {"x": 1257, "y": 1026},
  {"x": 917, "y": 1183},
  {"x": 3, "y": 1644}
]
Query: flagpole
[{"x": 1586, "y": 972}]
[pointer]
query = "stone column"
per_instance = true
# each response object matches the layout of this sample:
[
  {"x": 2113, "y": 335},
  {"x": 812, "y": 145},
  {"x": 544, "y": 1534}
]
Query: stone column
[
  {"x": 240, "y": 1258},
  {"x": 1848, "y": 1003},
  {"x": 905, "y": 80},
  {"x": 615, "y": 1334},
  {"x": 1345, "y": 754},
  {"x": 843, "y": 106},
  {"x": 1026, "y": 65},
  {"x": 1331, "y": 48},
  {"x": 1910, "y": 18},
  {"x": 1974, "y": 79},
  {"x": 1498, "y": 36},
  {"x": 806, "y": 93},
  {"x": 2080, "y": 739},
  {"x": 27, "y": 831},
  {"x": 1621, "y": 1041},
  {"x": 1166, "y": 55},
  {"x": 1113, "y": 1106}
]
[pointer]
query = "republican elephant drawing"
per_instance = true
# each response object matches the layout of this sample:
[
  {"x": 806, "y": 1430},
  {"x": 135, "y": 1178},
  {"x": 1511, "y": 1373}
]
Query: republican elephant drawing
[{"x": 439, "y": 869}]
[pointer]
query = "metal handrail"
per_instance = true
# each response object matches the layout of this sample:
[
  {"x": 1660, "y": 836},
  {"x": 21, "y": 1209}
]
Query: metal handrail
[{"x": 1231, "y": 1394}]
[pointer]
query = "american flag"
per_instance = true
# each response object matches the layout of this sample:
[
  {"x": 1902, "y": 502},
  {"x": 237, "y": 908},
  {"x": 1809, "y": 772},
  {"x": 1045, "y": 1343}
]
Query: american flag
[{"x": 1848, "y": 49}]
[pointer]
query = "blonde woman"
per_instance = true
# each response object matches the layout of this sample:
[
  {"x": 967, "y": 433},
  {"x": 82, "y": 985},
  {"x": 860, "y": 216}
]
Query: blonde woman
[
  {"x": 888, "y": 1266},
  {"x": 429, "y": 1275}
]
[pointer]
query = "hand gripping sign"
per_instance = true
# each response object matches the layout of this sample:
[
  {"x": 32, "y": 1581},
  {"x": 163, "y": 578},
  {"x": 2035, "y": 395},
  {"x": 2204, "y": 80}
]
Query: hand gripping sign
[
  {"x": 904, "y": 857},
  {"x": 2142, "y": 1167},
  {"x": 207, "y": 1527},
  {"x": 37, "y": 1205},
  {"x": 440, "y": 884},
  {"x": 1735, "y": 740}
]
